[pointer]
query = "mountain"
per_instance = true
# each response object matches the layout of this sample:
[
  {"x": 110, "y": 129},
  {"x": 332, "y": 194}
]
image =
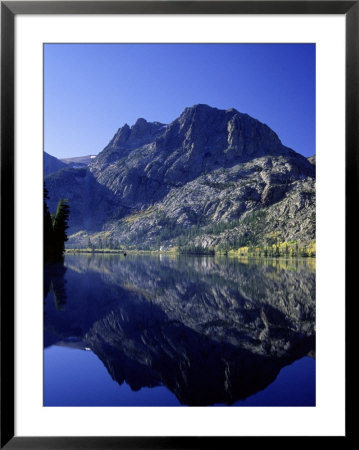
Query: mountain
[
  {"x": 211, "y": 177},
  {"x": 52, "y": 164},
  {"x": 78, "y": 161}
]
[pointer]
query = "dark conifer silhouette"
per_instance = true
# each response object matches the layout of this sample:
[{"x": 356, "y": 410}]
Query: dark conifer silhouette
[
  {"x": 60, "y": 225},
  {"x": 55, "y": 228},
  {"x": 48, "y": 234}
]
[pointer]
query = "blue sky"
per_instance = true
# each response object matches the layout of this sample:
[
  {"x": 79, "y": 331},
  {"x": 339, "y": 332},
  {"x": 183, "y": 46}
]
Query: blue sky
[{"x": 91, "y": 90}]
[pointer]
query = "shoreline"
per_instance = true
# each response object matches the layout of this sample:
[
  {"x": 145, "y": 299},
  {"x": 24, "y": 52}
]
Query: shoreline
[{"x": 176, "y": 253}]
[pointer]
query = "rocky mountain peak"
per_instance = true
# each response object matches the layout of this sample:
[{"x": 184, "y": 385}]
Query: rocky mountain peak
[
  {"x": 143, "y": 130},
  {"x": 207, "y": 166},
  {"x": 200, "y": 113},
  {"x": 140, "y": 121},
  {"x": 225, "y": 135},
  {"x": 122, "y": 135},
  {"x": 128, "y": 138},
  {"x": 139, "y": 133},
  {"x": 200, "y": 108}
]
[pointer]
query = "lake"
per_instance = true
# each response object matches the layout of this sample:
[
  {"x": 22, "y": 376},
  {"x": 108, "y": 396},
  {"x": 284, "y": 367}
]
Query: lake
[{"x": 162, "y": 330}]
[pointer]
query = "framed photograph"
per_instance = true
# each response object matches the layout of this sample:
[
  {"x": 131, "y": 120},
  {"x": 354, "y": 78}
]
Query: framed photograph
[{"x": 174, "y": 182}]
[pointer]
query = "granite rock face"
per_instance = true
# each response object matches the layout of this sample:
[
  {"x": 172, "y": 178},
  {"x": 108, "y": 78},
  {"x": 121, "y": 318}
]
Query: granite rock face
[
  {"x": 312, "y": 160},
  {"x": 208, "y": 166}
]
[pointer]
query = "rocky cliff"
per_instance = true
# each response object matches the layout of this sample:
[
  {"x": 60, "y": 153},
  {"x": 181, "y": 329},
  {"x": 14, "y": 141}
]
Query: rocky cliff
[{"x": 210, "y": 177}]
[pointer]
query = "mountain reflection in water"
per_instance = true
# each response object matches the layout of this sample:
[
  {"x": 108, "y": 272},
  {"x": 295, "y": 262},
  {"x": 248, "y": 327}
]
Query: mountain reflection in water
[{"x": 211, "y": 330}]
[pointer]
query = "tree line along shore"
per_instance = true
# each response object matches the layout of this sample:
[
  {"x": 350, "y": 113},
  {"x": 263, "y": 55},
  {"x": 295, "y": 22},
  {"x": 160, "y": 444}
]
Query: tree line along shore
[{"x": 291, "y": 249}]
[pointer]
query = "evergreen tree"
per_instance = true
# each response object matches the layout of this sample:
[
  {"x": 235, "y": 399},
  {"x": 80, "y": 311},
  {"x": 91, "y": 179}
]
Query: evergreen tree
[
  {"x": 60, "y": 225},
  {"x": 48, "y": 235},
  {"x": 55, "y": 227}
]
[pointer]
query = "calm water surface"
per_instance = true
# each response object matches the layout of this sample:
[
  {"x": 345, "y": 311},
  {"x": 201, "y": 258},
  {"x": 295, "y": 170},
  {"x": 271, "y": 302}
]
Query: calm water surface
[{"x": 179, "y": 331}]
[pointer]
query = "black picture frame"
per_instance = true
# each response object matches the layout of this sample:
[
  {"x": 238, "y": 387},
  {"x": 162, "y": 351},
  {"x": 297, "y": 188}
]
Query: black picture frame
[{"x": 9, "y": 9}]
